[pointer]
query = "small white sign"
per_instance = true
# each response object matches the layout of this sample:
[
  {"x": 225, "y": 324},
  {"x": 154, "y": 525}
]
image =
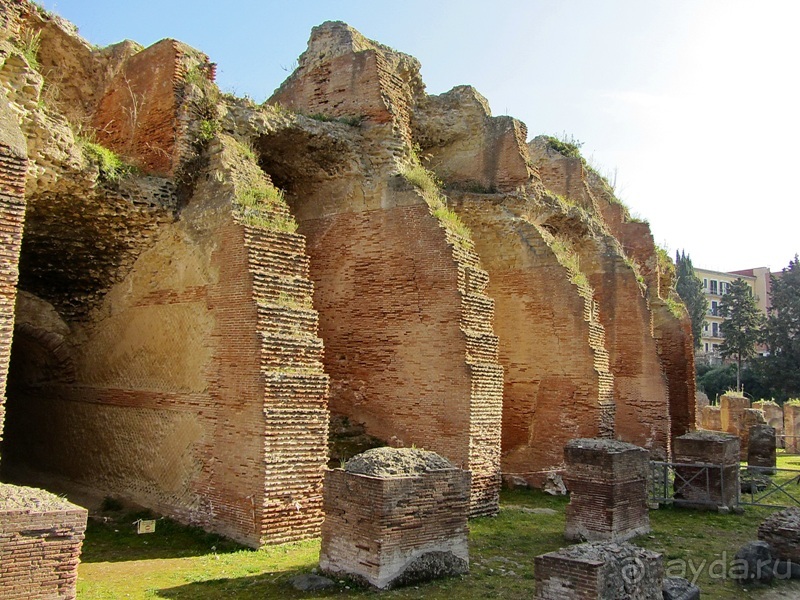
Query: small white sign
[{"x": 143, "y": 526}]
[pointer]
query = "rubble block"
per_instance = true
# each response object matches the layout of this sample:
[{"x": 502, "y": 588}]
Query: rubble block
[
  {"x": 599, "y": 571},
  {"x": 394, "y": 516},
  {"x": 791, "y": 427},
  {"x": 773, "y": 413},
  {"x": 761, "y": 447},
  {"x": 607, "y": 481},
  {"x": 730, "y": 412},
  {"x": 781, "y": 530},
  {"x": 40, "y": 544},
  {"x": 711, "y": 419},
  {"x": 749, "y": 418},
  {"x": 719, "y": 485}
]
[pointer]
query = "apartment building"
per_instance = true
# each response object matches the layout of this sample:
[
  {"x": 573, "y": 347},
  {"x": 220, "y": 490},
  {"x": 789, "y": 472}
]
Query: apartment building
[{"x": 715, "y": 285}]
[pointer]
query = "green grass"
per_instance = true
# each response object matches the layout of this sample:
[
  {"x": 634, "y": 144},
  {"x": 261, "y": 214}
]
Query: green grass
[
  {"x": 111, "y": 166},
  {"x": 29, "y": 44},
  {"x": 430, "y": 188},
  {"x": 260, "y": 207},
  {"x": 182, "y": 562}
]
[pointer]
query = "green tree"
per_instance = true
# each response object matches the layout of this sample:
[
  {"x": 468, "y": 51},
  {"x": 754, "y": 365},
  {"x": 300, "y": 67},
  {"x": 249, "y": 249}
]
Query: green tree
[
  {"x": 690, "y": 289},
  {"x": 782, "y": 332},
  {"x": 742, "y": 325}
]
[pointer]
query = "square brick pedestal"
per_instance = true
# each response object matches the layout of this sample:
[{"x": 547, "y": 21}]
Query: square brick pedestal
[
  {"x": 390, "y": 531},
  {"x": 607, "y": 481},
  {"x": 40, "y": 544}
]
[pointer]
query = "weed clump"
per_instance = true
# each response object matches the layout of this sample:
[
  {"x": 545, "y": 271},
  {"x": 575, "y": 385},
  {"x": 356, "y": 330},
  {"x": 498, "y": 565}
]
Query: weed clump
[{"x": 112, "y": 167}]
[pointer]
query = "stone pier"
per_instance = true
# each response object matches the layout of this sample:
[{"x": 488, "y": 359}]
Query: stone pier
[{"x": 607, "y": 481}]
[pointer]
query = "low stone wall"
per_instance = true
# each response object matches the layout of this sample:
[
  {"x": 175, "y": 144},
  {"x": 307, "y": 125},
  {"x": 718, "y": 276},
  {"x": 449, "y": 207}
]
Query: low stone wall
[
  {"x": 791, "y": 427},
  {"x": 730, "y": 410},
  {"x": 398, "y": 525},
  {"x": 40, "y": 544},
  {"x": 607, "y": 481}
]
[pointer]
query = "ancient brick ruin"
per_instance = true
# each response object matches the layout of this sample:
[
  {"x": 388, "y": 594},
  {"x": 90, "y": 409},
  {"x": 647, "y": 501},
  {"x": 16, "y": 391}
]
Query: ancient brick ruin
[
  {"x": 183, "y": 333},
  {"x": 40, "y": 544},
  {"x": 717, "y": 483},
  {"x": 599, "y": 571},
  {"x": 608, "y": 490},
  {"x": 395, "y": 516}
]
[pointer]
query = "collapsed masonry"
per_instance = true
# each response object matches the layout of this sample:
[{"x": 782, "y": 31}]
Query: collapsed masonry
[{"x": 170, "y": 323}]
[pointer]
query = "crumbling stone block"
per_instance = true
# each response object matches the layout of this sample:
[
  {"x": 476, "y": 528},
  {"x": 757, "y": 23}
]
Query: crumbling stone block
[
  {"x": 730, "y": 412},
  {"x": 773, "y": 414},
  {"x": 719, "y": 484},
  {"x": 394, "y": 516},
  {"x": 761, "y": 447},
  {"x": 607, "y": 481},
  {"x": 711, "y": 419},
  {"x": 748, "y": 419},
  {"x": 599, "y": 571},
  {"x": 40, "y": 544},
  {"x": 791, "y": 427},
  {"x": 781, "y": 530}
]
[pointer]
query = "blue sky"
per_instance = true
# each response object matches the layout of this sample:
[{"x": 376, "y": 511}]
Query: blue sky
[{"x": 693, "y": 104}]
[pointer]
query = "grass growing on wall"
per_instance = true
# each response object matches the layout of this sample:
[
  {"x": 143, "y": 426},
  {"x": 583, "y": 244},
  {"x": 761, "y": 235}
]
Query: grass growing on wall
[
  {"x": 430, "y": 188},
  {"x": 264, "y": 206},
  {"x": 112, "y": 167}
]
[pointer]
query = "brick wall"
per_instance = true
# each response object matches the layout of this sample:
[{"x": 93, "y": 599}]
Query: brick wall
[
  {"x": 375, "y": 527},
  {"x": 408, "y": 337},
  {"x": 199, "y": 368},
  {"x": 13, "y": 165},
  {"x": 711, "y": 418},
  {"x": 137, "y": 114},
  {"x": 40, "y": 544},
  {"x": 557, "y": 384},
  {"x": 731, "y": 411}
]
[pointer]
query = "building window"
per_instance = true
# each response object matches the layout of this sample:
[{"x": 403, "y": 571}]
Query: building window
[
  {"x": 705, "y": 283},
  {"x": 706, "y": 346},
  {"x": 714, "y": 330},
  {"x": 713, "y": 286},
  {"x": 714, "y": 347},
  {"x": 714, "y": 308},
  {"x": 724, "y": 287},
  {"x": 705, "y": 326}
]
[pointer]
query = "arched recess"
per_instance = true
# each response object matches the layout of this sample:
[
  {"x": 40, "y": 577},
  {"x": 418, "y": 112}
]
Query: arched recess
[{"x": 40, "y": 357}]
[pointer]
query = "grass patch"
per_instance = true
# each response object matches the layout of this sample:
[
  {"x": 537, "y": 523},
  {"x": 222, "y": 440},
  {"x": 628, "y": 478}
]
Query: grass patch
[
  {"x": 430, "y": 188},
  {"x": 186, "y": 563},
  {"x": 112, "y": 167},
  {"x": 29, "y": 44},
  {"x": 569, "y": 259},
  {"x": 675, "y": 307},
  {"x": 264, "y": 206},
  {"x": 353, "y": 121}
]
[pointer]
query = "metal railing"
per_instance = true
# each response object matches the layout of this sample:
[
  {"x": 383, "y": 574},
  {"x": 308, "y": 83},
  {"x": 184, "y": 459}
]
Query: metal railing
[
  {"x": 767, "y": 486},
  {"x": 686, "y": 483}
]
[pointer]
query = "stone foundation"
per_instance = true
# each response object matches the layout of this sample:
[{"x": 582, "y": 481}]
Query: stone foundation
[
  {"x": 393, "y": 529},
  {"x": 607, "y": 481},
  {"x": 720, "y": 485},
  {"x": 599, "y": 571},
  {"x": 761, "y": 447},
  {"x": 40, "y": 544}
]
